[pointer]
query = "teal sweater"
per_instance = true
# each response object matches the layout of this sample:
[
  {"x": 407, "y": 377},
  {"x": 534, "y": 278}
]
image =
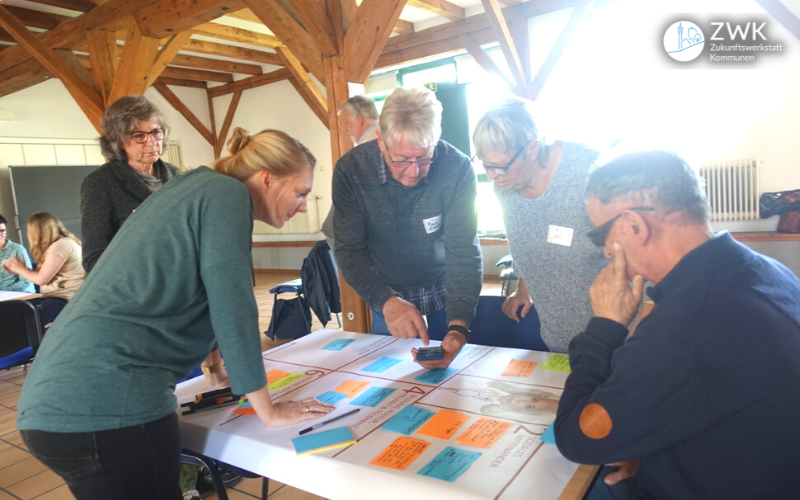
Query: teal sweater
[
  {"x": 14, "y": 282},
  {"x": 174, "y": 281}
]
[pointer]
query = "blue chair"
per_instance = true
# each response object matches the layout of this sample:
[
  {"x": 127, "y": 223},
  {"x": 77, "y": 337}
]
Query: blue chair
[
  {"x": 20, "y": 333},
  {"x": 493, "y": 328},
  {"x": 507, "y": 275}
]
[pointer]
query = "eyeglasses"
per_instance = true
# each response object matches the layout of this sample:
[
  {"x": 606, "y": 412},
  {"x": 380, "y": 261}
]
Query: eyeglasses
[
  {"x": 140, "y": 137},
  {"x": 599, "y": 234},
  {"x": 498, "y": 170},
  {"x": 421, "y": 162}
]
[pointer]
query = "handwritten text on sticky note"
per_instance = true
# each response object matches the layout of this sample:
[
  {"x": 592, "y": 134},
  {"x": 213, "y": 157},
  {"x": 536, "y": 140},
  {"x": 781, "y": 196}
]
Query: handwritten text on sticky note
[
  {"x": 449, "y": 464},
  {"x": 401, "y": 453},
  {"x": 275, "y": 375},
  {"x": 444, "y": 424},
  {"x": 484, "y": 433},
  {"x": 351, "y": 387},
  {"x": 338, "y": 344},
  {"x": 408, "y": 420},
  {"x": 557, "y": 363},
  {"x": 373, "y": 396},
  {"x": 283, "y": 382},
  {"x": 519, "y": 368},
  {"x": 382, "y": 365}
]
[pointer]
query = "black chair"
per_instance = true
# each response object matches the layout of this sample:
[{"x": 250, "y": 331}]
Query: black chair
[
  {"x": 20, "y": 333},
  {"x": 507, "y": 275},
  {"x": 291, "y": 318},
  {"x": 493, "y": 328},
  {"x": 193, "y": 458}
]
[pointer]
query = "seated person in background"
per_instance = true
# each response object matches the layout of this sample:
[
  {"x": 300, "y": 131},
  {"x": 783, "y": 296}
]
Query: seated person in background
[
  {"x": 704, "y": 394},
  {"x": 540, "y": 189},
  {"x": 10, "y": 250},
  {"x": 59, "y": 272},
  {"x": 406, "y": 224}
]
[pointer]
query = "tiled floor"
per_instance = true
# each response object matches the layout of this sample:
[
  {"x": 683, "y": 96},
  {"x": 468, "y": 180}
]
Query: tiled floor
[{"x": 22, "y": 477}]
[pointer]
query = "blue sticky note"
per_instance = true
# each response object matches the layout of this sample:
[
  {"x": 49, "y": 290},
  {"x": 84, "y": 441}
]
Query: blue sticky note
[
  {"x": 331, "y": 397},
  {"x": 382, "y": 365},
  {"x": 449, "y": 464},
  {"x": 549, "y": 435},
  {"x": 321, "y": 441},
  {"x": 435, "y": 376},
  {"x": 338, "y": 344},
  {"x": 373, "y": 396},
  {"x": 408, "y": 420}
]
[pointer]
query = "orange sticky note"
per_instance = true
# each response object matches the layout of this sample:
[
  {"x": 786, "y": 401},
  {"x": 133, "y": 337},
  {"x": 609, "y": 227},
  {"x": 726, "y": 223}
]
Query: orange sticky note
[
  {"x": 401, "y": 453},
  {"x": 518, "y": 368},
  {"x": 351, "y": 387},
  {"x": 443, "y": 425},
  {"x": 275, "y": 375},
  {"x": 484, "y": 433}
]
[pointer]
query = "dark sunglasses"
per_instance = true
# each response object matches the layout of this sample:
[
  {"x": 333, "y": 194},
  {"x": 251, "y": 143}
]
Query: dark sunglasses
[
  {"x": 498, "y": 170},
  {"x": 599, "y": 234}
]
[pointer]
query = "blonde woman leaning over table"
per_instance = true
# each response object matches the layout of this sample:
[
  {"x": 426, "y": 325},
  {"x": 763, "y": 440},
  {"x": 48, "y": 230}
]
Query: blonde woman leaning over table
[
  {"x": 57, "y": 254},
  {"x": 98, "y": 406}
]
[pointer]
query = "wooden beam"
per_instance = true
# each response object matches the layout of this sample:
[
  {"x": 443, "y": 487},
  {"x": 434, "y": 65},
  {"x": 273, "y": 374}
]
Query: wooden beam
[
  {"x": 166, "y": 18},
  {"x": 555, "y": 53},
  {"x": 500, "y": 29},
  {"x": 215, "y": 30},
  {"x": 35, "y": 18},
  {"x": 483, "y": 59},
  {"x": 251, "y": 82},
  {"x": 166, "y": 56},
  {"x": 85, "y": 95},
  {"x": 312, "y": 15},
  {"x": 226, "y": 125},
  {"x": 72, "y": 61},
  {"x": 440, "y": 7},
  {"x": 197, "y": 74},
  {"x": 181, "y": 108},
  {"x": 288, "y": 31},
  {"x": 349, "y": 8},
  {"x": 78, "y": 5},
  {"x": 104, "y": 56},
  {"x": 216, "y": 65},
  {"x": 245, "y": 15},
  {"x": 368, "y": 34},
  {"x": 299, "y": 74},
  {"x": 321, "y": 113},
  {"x": 782, "y": 14},
  {"x": 232, "y": 51},
  {"x": 135, "y": 63},
  {"x": 415, "y": 52},
  {"x": 22, "y": 76},
  {"x": 519, "y": 32},
  {"x": 213, "y": 123},
  {"x": 403, "y": 27},
  {"x": 180, "y": 82},
  {"x": 111, "y": 16},
  {"x": 336, "y": 13}
]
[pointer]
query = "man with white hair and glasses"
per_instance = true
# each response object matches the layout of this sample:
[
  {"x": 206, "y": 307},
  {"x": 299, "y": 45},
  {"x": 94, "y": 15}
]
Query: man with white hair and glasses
[{"x": 406, "y": 225}]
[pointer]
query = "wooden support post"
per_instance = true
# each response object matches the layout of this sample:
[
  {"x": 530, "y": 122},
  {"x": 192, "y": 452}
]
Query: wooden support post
[
  {"x": 104, "y": 55},
  {"x": 138, "y": 56},
  {"x": 213, "y": 122},
  {"x": 183, "y": 110},
  {"x": 226, "y": 125},
  {"x": 166, "y": 55},
  {"x": 500, "y": 29}
]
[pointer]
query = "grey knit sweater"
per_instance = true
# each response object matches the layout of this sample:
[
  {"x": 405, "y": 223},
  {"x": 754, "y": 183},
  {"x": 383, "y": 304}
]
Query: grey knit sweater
[
  {"x": 391, "y": 238},
  {"x": 109, "y": 195}
]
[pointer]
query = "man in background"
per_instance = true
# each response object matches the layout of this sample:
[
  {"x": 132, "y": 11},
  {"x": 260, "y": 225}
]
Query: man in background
[
  {"x": 700, "y": 403},
  {"x": 360, "y": 118}
]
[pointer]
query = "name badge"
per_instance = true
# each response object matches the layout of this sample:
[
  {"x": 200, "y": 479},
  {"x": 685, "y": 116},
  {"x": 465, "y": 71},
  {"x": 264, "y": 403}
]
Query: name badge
[
  {"x": 559, "y": 235},
  {"x": 433, "y": 224}
]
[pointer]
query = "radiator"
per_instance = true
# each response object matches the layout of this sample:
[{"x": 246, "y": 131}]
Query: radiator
[
  {"x": 171, "y": 153},
  {"x": 732, "y": 189},
  {"x": 301, "y": 223}
]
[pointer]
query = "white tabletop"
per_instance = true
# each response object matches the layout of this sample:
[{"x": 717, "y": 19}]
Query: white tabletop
[
  {"x": 517, "y": 465},
  {"x": 18, "y": 296}
]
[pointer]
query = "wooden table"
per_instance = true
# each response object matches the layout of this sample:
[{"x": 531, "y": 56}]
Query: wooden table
[{"x": 505, "y": 459}]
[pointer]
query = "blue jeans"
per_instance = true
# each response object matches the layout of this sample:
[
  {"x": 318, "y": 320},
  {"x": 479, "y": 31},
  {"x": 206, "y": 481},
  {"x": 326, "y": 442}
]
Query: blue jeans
[
  {"x": 437, "y": 323},
  {"x": 623, "y": 490},
  {"x": 132, "y": 463}
]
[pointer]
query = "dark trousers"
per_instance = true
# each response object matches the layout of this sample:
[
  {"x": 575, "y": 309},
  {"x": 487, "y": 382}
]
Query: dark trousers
[
  {"x": 51, "y": 308},
  {"x": 132, "y": 463}
]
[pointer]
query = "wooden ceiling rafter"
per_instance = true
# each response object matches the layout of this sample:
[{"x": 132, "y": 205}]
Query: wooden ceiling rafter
[
  {"x": 216, "y": 65},
  {"x": 313, "y": 16},
  {"x": 290, "y": 33},
  {"x": 35, "y": 18},
  {"x": 84, "y": 94},
  {"x": 482, "y": 58},
  {"x": 368, "y": 33},
  {"x": 166, "y": 54},
  {"x": 309, "y": 88},
  {"x": 181, "y": 108},
  {"x": 104, "y": 58},
  {"x": 165, "y": 18},
  {"x": 250, "y": 83},
  {"x": 442, "y": 8},
  {"x": 226, "y": 125},
  {"x": 181, "y": 82},
  {"x": 321, "y": 113},
  {"x": 233, "y": 52},
  {"x": 233, "y": 34},
  {"x": 76, "y": 5},
  {"x": 136, "y": 61},
  {"x": 500, "y": 29}
]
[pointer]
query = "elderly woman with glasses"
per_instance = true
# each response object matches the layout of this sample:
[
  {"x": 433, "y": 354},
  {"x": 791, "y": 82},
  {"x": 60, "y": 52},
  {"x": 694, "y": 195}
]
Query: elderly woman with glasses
[
  {"x": 540, "y": 188},
  {"x": 133, "y": 133}
]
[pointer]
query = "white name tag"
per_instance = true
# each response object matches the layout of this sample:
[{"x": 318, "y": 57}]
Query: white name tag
[
  {"x": 433, "y": 224},
  {"x": 559, "y": 235}
]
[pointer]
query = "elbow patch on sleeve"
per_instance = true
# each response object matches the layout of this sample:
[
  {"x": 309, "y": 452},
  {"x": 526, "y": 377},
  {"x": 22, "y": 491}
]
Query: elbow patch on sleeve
[{"x": 595, "y": 422}]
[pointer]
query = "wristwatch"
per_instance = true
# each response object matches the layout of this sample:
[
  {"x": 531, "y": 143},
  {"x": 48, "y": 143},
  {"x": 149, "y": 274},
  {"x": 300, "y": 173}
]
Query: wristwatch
[
  {"x": 463, "y": 330},
  {"x": 208, "y": 370}
]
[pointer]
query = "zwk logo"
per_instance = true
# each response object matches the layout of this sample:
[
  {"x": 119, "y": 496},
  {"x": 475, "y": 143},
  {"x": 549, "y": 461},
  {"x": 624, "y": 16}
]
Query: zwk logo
[{"x": 684, "y": 41}]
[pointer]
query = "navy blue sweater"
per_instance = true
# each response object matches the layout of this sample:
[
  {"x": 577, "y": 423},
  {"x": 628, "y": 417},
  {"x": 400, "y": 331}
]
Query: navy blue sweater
[{"x": 706, "y": 394}]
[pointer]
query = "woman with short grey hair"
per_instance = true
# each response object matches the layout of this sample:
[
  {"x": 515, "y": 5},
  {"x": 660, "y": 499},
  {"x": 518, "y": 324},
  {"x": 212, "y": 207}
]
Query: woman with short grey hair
[
  {"x": 133, "y": 134},
  {"x": 539, "y": 185},
  {"x": 414, "y": 113}
]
